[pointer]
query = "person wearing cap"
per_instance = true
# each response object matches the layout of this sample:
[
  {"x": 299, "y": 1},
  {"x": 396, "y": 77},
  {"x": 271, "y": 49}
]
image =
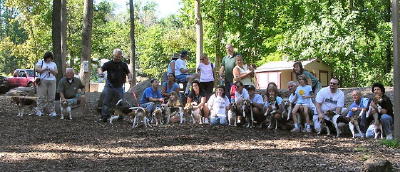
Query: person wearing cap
[
  {"x": 182, "y": 72},
  {"x": 117, "y": 70},
  {"x": 151, "y": 96},
  {"x": 257, "y": 104}
]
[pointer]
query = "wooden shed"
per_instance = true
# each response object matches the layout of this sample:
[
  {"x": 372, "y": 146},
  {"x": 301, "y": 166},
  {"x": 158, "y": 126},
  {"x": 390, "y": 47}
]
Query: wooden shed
[{"x": 281, "y": 72}]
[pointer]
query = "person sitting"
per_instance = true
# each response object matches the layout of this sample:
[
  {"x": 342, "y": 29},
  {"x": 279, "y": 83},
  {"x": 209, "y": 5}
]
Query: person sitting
[
  {"x": 359, "y": 104},
  {"x": 303, "y": 101},
  {"x": 206, "y": 72},
  {"x": 384, "y": 108},
  {"x": 242, "y": 72},
  {"x": 257, "y": 104},
  {"x": 151, "y": 96},
  {"x": 169, "y": 86},
  {"x": 218, "y": 105},
  {"x": 171, "y": 67},
  {"x": 182, "y": 72},
  {"x": 71, "y": 90},
  {"x": 198, "y": 97},
  {"x": 273, "y": 107},
  {"x": 329, "y": 99},
  {"x": 240, "y": 93}
]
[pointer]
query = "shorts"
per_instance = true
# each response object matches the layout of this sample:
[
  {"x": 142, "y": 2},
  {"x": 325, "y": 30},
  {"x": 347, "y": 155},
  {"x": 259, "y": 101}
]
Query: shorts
[{"x": 182, "y": 78}]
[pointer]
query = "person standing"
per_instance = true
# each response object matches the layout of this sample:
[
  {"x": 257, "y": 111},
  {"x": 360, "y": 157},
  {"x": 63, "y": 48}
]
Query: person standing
[
  {"x": 311, "y": 79},
  {"x": 46, "y": 88},
  {"x": 227, "y": 65},
  {"x": 242, "y": 72},
  {"x": 206, "y": 71},
  {"x": 116, "y": 77}
]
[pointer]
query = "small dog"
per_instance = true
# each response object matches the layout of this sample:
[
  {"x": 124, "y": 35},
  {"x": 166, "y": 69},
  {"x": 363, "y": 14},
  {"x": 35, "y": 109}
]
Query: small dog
[
  {"x": 327, "y": 124},
  {"x": 122, "y": 108},
  {"x": 158, "y": 115},
  {"x": 232, "y": 117},
  {"x": 65, "y": 108},
  {"x": 287, "y": 108},
  {"x": 23, "y": 103},
  {"x": 141, "y": 115},
  {"x": 378, "y": 130},
  {"x": 194, "y": 112},
  {"x": 354, "y": 123},
  {"x": 173, "y": 107},
  {"x": 270, "y": 113}
]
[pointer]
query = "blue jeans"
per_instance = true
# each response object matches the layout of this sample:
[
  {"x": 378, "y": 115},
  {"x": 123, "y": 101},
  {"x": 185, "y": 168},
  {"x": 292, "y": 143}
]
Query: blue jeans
[
  {"x": 215, "y": 120},
  {"x": 150, "y": 106},
  {"x": 387, "y": 124},
  {"x": 110, "y": 93}
]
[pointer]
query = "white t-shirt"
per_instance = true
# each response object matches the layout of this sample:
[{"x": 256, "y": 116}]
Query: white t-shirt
[
  {"x": 206, "y": 72},
  {"x": 257, "y": 99},
  {"x": 278, "y": 99},
  {"x": 218, "y": 105},
  {"x": 47, "y": 75},
  {"x": 303, "y": 91},
  {"x": 179, "y": 64},
  {"x": 243, "y": 96},
  {"x": 329, "y": 100}
]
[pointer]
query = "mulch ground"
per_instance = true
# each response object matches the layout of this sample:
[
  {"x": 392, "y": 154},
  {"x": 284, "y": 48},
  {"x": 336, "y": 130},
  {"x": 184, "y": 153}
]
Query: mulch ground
[{"x": 35, "y": 143}]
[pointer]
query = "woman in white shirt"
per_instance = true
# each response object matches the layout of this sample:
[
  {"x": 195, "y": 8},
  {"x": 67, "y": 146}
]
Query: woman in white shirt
[
  {"x": 218, "y": 105},
  {"x": 242, "y": 72},
  {"x": 206, "y": 72},
  {"x": 46, "y": 88}
]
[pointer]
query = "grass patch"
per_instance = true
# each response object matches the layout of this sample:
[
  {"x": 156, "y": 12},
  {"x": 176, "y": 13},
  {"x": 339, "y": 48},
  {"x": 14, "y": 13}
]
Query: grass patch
[{"x": 391, "y": 143}]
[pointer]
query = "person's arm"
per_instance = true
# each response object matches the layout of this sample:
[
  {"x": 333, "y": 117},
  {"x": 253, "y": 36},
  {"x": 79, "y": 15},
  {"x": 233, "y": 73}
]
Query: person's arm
[
  {"x": 172, "y": 65},
  {"x": 202, "y": 102},
  {"x": 164, "y": 89},
  {"x": 61, "y": 90},
  {"x": 319, "y": 111},
  {"x": 54, "y": 71}
]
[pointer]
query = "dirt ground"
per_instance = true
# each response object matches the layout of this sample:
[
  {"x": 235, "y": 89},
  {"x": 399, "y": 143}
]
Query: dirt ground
[{"x": 33, "y": 143}]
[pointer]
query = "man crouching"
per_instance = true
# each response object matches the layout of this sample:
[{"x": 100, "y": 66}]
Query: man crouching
[{"x": 71, "y": 92}]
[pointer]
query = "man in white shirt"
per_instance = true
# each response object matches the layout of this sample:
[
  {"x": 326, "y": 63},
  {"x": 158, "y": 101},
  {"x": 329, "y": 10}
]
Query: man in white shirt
[
  {"x": 329, "y": 99},
  {"x": 182, "y": 72},
  {"x": 257, "y": 103}
]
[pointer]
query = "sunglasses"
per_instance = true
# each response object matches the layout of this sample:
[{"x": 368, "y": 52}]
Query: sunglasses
[
  {"x": 201, "y": 59},
  {"x": 333, "y": 83}
]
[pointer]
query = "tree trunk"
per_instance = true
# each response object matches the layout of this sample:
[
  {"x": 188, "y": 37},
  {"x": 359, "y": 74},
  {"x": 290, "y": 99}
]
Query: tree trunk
[
  {"x": 199, "y": 32},
  {"x": 396, "y": 73},
  {"x": 133, "y": 45},
  {"x": 56, "y": 36},
  {"x": 64, "y": 23},
  {"x": 86, "y": 43},
  {"x": 220, "y": 33}
]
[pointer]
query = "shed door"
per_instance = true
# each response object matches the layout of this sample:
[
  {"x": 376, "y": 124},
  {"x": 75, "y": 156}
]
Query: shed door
[
  {"x": 323, "y": 78},
  {"x": 263, "y": 78}
]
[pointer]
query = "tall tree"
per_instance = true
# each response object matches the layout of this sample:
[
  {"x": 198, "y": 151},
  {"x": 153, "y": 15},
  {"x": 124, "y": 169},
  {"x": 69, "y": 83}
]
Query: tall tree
[
  {"x": 56, "y": 36},
  {"x": 199, "y": 32},
  {"x": 133, "y": 45},
  {"x": 64, "y": 24},
  {"x": 86, "y": 43},
  {"x": 396, "y": 53}
]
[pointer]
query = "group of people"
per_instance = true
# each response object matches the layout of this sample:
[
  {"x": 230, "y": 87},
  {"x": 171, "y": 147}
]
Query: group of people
[
  {"x": 70, "y": 88},
  {"x": 306, "y": 95}
]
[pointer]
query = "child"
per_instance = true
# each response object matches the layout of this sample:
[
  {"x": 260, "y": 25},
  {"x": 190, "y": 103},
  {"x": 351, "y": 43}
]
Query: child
[
  {"x": 303, "y": 97},
  {"x": 218, "y": 105}
]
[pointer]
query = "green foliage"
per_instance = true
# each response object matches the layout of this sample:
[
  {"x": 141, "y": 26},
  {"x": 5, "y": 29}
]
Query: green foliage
[{"x": 391, "y": 143}]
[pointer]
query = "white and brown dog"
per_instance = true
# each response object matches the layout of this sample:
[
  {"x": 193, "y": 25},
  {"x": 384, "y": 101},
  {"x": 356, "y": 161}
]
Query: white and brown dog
[
  {"x": 141, "y": 116},
  {"x": 173, "y": 107},
  {"x": 122, "y": 109},
  {"x": 158, "y": 115},
  {"x": 192, "y": 110},
  {"x": 65, "y": 108},
  {"x": 232, "y": 116},
  {"x": 24, "y": 103},
  {"x": 378, "y": 130}
]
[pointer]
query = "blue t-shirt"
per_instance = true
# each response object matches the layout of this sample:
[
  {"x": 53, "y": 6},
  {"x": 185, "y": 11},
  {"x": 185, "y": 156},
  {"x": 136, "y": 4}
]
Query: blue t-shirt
[
  {"x": 363, "y": 104},
  {"x": 303, "y": 91},
  {"x": 168, "y": 88},
  {"x": 150, "y": 93}
]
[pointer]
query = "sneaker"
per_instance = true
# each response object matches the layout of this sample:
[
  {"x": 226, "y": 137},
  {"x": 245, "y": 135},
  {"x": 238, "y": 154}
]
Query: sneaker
[
  {"x": 295, "y": 130},
  {"x": 38, "y": 113},
  {"x": 358, "y": 135},
  {"x": 308, "y": 130},
  {"x": 389, "y": 137},
  {"x": 206, "y": 121},
  {"x": 53, "y": 114}
]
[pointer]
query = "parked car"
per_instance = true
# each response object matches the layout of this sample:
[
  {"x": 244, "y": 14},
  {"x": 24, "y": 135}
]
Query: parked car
[
  {"x": 22, "y": 78},
  {"x": 3, "y": 84}
]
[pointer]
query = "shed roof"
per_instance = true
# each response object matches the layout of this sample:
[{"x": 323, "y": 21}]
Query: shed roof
[{"x": 280, "y": 65}]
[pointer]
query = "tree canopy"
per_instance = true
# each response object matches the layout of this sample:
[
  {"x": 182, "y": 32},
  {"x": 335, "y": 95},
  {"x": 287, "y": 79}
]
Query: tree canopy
[{"x": 354, "y": 37}]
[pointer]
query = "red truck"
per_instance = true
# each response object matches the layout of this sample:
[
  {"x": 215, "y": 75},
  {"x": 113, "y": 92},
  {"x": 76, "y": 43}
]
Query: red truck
[{"x": 22, "y": 78}]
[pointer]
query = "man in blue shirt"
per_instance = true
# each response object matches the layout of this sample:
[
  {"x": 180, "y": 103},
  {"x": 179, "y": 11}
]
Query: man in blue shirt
[{"x": 151, "y": 96}]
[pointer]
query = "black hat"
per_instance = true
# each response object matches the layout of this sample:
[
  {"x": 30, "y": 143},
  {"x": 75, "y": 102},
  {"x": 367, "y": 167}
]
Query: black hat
[
  {"x": 184, "y": 53},
  {"x": 251, "y": 87}
]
